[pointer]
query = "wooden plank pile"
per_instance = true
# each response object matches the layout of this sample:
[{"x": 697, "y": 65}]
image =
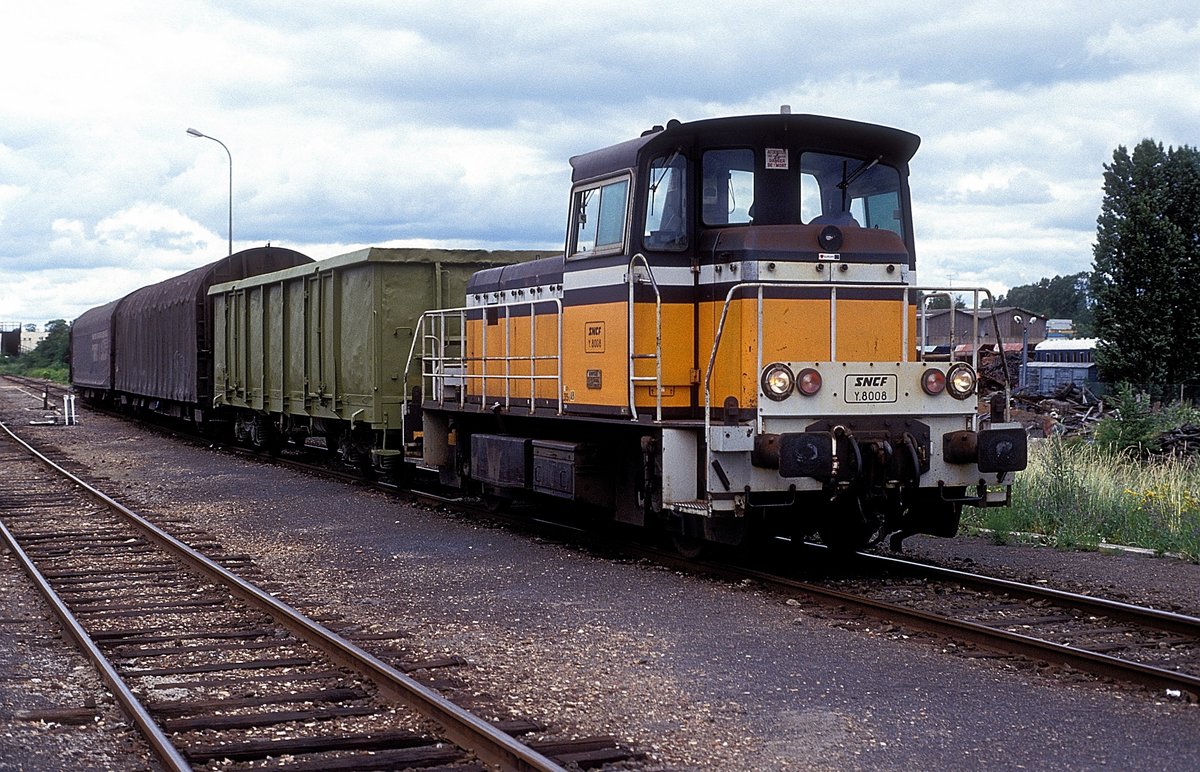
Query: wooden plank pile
[
  {"x": 1070, "y": 411},
  {"x": 1182, "y": 441}
]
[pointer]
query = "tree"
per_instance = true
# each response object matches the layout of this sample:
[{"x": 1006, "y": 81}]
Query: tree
[
  {"x": 1146, "y": 263},
  {"x": 1063, "y": 297},
  {"x": 941, "y": 301},
  {"x": 52, "y": 350}
]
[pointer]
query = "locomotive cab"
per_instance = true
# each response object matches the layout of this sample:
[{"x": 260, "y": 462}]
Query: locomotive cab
[{"x": 729, "y": 340}]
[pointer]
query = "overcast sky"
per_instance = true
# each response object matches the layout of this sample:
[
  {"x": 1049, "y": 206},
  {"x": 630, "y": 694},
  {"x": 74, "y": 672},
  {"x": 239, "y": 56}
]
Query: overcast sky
[{"x": 385, "y": 122}]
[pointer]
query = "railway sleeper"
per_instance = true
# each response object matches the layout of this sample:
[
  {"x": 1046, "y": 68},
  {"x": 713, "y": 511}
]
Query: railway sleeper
[{"x": 251, "y": 750}]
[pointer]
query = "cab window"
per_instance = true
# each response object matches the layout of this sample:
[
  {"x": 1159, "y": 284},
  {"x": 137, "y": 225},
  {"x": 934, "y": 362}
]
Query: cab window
[
  {"x": 666, "y": 204},
  {"x": 728, "y": 186},
  {"x": 598, "y": 218},
  {"x": 841, "y": 190}
]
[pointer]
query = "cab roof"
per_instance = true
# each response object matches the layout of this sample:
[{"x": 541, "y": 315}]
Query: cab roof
[{"x": 815, "y": 132}]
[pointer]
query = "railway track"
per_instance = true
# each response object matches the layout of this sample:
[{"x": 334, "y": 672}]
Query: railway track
[
  {"x": 1149, "y": 647},
  {"x": 1153, "y": 647},
  {"x": 1129, "y": 643},
  {"x": 50, "y": 393},
  {"x": 214, "y": 670}
]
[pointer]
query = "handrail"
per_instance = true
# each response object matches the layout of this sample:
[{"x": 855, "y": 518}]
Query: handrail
[
  {"x": 633, "y": 355},
  {"x": 437, "y": 367},
  {"x": 832, "y": 289}
]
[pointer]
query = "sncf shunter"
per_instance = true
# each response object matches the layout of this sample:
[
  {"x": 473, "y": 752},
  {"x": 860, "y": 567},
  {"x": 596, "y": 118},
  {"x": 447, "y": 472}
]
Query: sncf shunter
[{"x": 729, "y": 343}]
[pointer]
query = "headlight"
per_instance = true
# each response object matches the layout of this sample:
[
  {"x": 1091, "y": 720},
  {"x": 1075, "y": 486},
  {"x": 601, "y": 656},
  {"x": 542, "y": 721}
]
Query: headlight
[
  {"x": 809, "y": 382},
  {"x": 777, "y": 381},
  {"x": 960, "y": 381},
  {"x": 933, "y": 381}
]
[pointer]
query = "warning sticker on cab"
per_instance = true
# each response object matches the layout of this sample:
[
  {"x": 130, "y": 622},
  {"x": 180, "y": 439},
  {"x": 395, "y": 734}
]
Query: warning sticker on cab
[{"x": 871, "y": 388}]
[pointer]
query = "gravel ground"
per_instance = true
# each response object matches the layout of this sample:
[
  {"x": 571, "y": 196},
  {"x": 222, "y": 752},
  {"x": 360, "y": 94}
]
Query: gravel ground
[
  {"x": 700, "y": 674},
  {"x": 54, "y": 711}
]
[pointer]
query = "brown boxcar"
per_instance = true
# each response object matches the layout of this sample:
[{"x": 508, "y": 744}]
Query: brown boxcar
[
  {"x": 91, "y": 350},
  {"x": 160, "y": 337}
]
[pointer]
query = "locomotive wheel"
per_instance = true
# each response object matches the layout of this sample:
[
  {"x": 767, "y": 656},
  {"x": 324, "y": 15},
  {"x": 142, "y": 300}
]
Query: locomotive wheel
[
  {"x": 495, "y": 502},
  {"x": 264, "y": 436},
  {"x": 849, "y": 527},
  {"x": 689, "y": 546}
]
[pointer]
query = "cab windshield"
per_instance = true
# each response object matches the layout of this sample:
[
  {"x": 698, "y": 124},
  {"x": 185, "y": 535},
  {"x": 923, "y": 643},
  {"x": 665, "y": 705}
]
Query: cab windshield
[
  {"x": 778, "y": 186},
  {"x": 854, "y": 191}
]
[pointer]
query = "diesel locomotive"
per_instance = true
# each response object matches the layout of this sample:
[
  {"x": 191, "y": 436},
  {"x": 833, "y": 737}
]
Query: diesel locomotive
[{"x": 729, "y": 344}]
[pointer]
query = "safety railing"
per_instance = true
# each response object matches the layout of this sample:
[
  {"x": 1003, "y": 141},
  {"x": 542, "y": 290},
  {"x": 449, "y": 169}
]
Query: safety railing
[
  {"x": 907, "y": 292},
  {"x": 448, "y": 366}
]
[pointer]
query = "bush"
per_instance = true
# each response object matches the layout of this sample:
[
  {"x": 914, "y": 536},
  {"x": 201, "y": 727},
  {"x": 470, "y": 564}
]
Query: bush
[
  {"x": 48, "y": 360},
  {"x": 1078, "y": 494},
  {"x": 1134, "y": 423}
]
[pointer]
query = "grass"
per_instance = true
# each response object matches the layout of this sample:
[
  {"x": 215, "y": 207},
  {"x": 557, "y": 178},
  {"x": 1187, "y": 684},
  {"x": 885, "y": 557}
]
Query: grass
[
  {"x": 1078, "y": 494},
  {"x": 16, "y": 367}
]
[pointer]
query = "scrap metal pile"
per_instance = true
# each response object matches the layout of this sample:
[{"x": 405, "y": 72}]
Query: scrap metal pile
[{"x": 1069, "y": 411}]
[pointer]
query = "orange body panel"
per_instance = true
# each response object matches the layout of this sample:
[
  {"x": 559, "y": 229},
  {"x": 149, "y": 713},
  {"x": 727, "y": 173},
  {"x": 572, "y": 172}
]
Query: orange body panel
[
  {"x": 797, "y": 330},
  {"x": 595, "y": 358}
]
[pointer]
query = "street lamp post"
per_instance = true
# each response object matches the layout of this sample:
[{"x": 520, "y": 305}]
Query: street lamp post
[
  {"x": 195, "y": 133},
  {"x": 1023, "y": 380}
]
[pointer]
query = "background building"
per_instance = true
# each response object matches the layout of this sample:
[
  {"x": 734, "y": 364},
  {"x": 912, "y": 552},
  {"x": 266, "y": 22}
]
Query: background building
[{"x": 953, "y": 329}]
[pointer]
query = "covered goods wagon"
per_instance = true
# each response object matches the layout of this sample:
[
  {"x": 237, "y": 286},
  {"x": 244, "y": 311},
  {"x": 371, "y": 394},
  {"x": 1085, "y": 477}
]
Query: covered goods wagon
[
  {"x": 91, "y": 350},
  {"x": 152, "y": 349}
]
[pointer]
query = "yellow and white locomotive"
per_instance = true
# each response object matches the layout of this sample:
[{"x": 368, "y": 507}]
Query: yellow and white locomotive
[{"x": 728, "y": 343}]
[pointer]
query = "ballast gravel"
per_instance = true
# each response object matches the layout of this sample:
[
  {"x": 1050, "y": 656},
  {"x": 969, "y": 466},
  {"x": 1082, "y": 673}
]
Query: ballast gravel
[{"x": 694, "y": 672}]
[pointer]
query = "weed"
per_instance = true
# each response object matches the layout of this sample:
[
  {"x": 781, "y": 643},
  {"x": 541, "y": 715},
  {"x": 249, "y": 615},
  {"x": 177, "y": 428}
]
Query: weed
[{"x": 1079, "y": 494}]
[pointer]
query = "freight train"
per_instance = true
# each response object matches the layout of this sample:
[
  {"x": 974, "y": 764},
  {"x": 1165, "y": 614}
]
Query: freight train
[{"x": 727, "y": 346}]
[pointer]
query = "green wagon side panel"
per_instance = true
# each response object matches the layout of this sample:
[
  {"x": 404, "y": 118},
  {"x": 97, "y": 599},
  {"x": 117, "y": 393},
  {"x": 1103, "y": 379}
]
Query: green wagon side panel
[{"x": 330, "y": 340}]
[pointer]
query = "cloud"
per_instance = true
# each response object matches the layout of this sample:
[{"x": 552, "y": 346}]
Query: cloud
[
  {"x": 1165, "y": 42},
  {"x": 451, "y": 122}
]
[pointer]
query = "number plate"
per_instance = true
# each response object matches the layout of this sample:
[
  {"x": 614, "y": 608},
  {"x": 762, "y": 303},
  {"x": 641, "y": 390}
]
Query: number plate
[{"x": 870, "y": 389}]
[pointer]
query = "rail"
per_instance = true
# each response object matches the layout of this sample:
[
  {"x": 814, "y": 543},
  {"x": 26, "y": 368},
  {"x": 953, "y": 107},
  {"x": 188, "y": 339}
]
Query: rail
[
  {"x": 465, "y": 729},
  {"x": 993, "y": 636}
]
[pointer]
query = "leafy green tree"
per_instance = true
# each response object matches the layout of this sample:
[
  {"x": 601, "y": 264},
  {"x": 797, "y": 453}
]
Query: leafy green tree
[
  {"x": 1146, "y": 265},
  {"x": 943, "y": 301},
  {"x": 1063, "y": 297},
  {"x": 53, "y": 349},
  {"x": 49, "y": 359}
]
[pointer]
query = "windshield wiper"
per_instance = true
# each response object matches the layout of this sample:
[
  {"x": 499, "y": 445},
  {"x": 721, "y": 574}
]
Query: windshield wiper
[{"x": 862, "y": 169}]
